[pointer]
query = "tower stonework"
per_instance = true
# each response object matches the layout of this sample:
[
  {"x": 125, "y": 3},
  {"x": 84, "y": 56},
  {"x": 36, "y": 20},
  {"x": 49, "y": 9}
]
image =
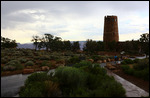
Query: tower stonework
[{"x": 110, "y": 29}]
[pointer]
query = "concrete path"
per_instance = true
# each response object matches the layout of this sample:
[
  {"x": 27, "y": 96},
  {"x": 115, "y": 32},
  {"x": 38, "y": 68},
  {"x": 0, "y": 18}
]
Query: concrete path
[{"x": 131, "y": 89}]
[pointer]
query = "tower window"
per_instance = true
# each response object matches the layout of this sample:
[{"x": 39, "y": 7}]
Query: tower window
[
  {"x": 115, "y": 19},
  {"x": 112, "y": 19}
]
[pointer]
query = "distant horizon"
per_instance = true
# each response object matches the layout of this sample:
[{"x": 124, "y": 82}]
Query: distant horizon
[{"x": 79, "y": 41}]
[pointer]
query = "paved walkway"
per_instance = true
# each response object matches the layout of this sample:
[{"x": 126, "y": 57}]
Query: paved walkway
[{"x": 131, "y": 89}]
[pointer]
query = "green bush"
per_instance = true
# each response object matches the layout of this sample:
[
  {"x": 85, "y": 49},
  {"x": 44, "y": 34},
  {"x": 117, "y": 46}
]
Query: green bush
[
  {"x": 136, "y": 60},
  {"x": 45, "y": 63},
  {"x": 68, "y": 53},
  {"x": 89, "y": 80},
  {"x": 96, "y": 69},
  {"x": 28, "y": 52},
  {"x": 89, "y": 67},
  {"x": 73, "y": 60},
  {"x": 40, "y": 85},
  {"x": 127, "y": 61},
  {"x": 130, "y": 71},
  {"x": 37, "y": 77},
  {"x": 140, "y": 69},
  {"x": 13, "y": 65},
  {"x": 4, "y": 60},
  {"x": 9, "y": 68},
  {"x": 125, "y": 67},
  {"x": 17, "y": 53},
  {"x": 2, "y": 53},
  {"x": 1, "y": 68},
  {"x": 32, "y": 90},
  {"x": 51, "y": 89},
  {"x": 29, "y": 63},
  {"x": 79, "y": 92},
  {"x": 123, "y": 63},
  {"x": 109, "y": 89},
  {"x": 22, "y": 60},
  {"x": 96, "y": 57},
  {"x": 54, "y": 57},
  {"x": 70, "y": 78},
  {"x": 83, "y": 64},
  {"x": 142, "y": 64},
  {"x": 44, "y": 57},
  {"x": 143, "y": 74}
]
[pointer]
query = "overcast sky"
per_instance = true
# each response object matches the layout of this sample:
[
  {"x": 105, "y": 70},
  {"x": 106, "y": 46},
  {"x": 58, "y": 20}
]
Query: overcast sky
[{"x": 72, "y": 20}]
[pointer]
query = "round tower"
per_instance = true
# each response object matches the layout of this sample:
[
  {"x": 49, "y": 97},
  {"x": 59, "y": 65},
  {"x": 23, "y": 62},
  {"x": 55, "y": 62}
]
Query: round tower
[{"x": 110, "y": 29}]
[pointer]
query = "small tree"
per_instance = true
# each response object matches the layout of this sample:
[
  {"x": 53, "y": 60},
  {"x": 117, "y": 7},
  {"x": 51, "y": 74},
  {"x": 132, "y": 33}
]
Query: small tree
[
  {"x": 67, "y": 45},
  {"x": 8, "y": 43},
  {"x": 75, "y": 46},
  {"x": 35, "y": 40},
  {"x": 90, "y": 46},
  {"x": 144, "y": 40},
  {"x": 47, "y": 39}
]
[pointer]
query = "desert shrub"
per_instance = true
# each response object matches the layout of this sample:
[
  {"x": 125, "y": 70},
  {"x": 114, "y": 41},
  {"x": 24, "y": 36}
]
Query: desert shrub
[
  {"x": 36, "y": 53},
  {"x": 127, "y": 61},
  {"x": 73, "y": 60},
  {"x": 73, "y": 82},
  {"x": 125, "y": 67},
  {"x": 39, "y": 85},
  {"x": 130, "y": 71},
  {"x": 37, "y": 77},
  {"x": 4, "y": 60},
  {"x": 123, "y": 63},
  {"x": 141, "y": 64},
  {"x": 51, "y": 89},
  {"x": 96, "y": 57},
  {"x": 13, "y": 65},
  {"x": 144, "y": 74},
  {"x": 22, "y": 60},
  {"x": 103, "y": 57},
  {"x": 32, "y": 90},
  {"x": 44, "y": 57},
  {"x": 136, "y": 60},
  {"x": 17, "y": 53},
  {"x": 14, "y": 58},
  {"x": 140, "y": 69},
  {"x": 54, "y": 57},
  {"x": 82, "y": 64},
  {"x": 28, "y": 52},
  {"x": 109, "y": 88},
  {"x": 29, "y": 63},
  {"x": 96, "y": 69},
  {"x": 9, "y": 68},
  {"x": 92, "y": 81},
  {"x": 68, "y": 53},
  {"x": 79, "y": 92},
  {"x": 89, "y": 67},
  {"x": 70, "y": 78},
  {"x": 2, "y": 53},
  {"x": 56, "y": 53},
  {"x": 1, "y": 68},
  {"x": 45, "y": 63}
]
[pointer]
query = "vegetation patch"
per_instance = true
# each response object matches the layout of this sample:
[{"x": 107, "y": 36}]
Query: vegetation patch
[
  {"x": 29, "y": 63},
  {"x": 140, "y": 69},
  {"x": 84, "y": 79}
]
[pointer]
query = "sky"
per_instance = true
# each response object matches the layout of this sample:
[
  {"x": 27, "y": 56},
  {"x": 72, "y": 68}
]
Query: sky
[{"x": 72, "y": 20}]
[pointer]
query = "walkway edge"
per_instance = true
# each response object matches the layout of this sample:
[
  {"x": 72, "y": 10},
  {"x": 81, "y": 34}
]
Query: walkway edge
[{"x": 131, "y": 89}]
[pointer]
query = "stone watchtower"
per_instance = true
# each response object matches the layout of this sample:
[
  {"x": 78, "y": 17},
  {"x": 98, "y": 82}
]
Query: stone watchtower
[{"x": 110, "y": 29}]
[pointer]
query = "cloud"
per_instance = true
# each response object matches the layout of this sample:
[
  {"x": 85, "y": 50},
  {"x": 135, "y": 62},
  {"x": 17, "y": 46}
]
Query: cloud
[{"x": 72, "y": 20}]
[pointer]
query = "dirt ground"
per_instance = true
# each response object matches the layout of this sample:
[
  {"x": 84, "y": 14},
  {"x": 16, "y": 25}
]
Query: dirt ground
[{"x": 137, "y": 81}]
